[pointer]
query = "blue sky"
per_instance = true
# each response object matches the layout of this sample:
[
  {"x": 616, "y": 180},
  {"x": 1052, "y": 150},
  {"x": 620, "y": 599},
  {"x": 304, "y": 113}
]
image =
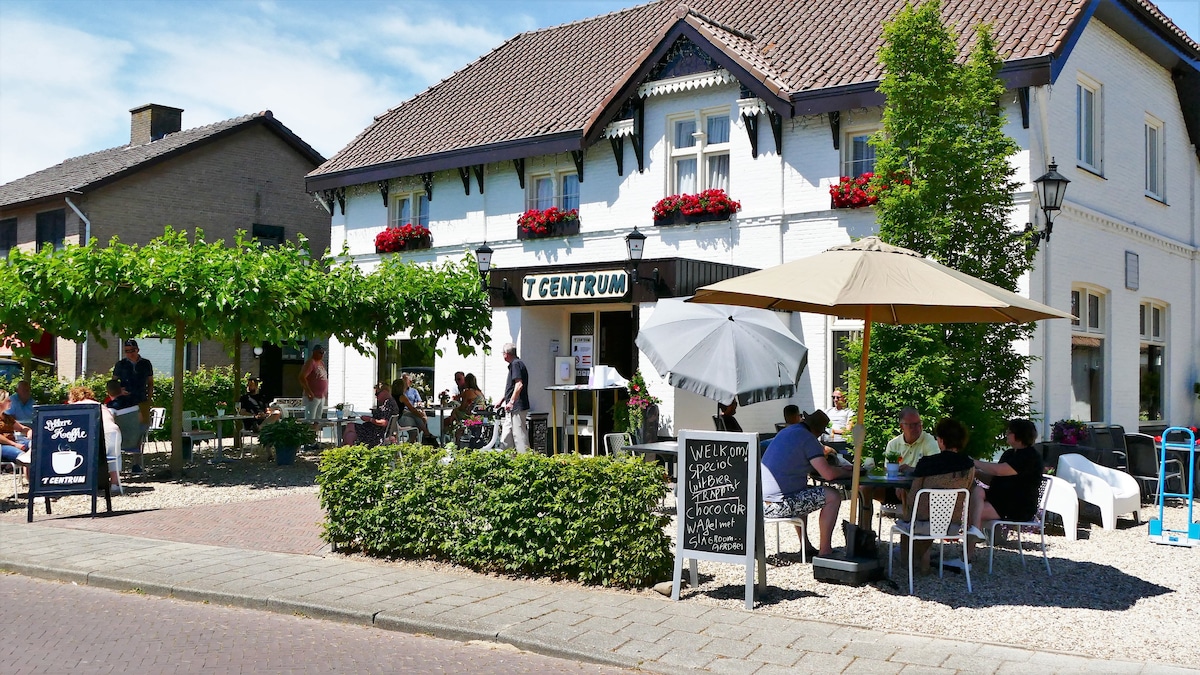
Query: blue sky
[{"x": 70, "y": 70}]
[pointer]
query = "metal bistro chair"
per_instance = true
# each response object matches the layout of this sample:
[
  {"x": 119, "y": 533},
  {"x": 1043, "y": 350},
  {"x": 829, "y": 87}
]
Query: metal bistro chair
[
  {"x": 616, "y": 443},
  {"x": 1038, "y": 521},
  {"x": 941, "y": 527},
  {"x": 158, "y": 420},
  {"x": 192, "y": 434},
  {"x": 1143, "y": 465}
]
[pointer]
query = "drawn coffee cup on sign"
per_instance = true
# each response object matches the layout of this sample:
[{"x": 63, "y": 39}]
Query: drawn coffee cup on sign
[{"x": 65, "y": 460}]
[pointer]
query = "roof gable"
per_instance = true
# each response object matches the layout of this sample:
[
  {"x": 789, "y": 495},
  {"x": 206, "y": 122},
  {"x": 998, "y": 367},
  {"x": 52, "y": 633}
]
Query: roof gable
[
  {"x": 89, "y": 172},
  {"x": 555, "y": 89}
]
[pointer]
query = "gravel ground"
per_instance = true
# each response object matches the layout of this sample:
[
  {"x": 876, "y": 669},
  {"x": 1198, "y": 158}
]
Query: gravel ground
[{"x": 1112, "y": 594}]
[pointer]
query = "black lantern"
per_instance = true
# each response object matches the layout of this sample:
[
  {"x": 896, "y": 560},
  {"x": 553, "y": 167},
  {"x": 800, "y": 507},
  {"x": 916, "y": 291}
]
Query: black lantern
[
  {"x": 1051, "y": 187},
  {"x": 635, "y": 243},
  {"x": 483, "y": 258}
]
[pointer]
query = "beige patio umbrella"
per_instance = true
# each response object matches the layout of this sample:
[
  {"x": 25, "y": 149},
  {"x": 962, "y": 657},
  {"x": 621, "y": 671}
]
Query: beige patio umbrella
[{"x": 876, "y": 282}]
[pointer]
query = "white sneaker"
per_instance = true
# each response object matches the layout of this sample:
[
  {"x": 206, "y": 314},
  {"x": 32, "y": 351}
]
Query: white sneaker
[{"x": 975, "y": 535}]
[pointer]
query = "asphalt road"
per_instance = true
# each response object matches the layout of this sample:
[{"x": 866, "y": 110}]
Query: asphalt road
[{"x": 53, "y": 627}]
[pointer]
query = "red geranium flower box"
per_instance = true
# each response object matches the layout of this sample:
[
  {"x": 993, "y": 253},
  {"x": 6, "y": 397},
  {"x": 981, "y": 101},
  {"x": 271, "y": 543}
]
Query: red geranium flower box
[
  {"x": 404, "y": 238},
  {"x": 551, "y": 222},
  {"x": 707, "y": 206}
]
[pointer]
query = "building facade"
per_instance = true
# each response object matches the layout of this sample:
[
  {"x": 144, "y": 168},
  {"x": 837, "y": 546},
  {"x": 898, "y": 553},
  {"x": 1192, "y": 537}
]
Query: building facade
[
  {"x": 758, "y": 98},
  {"x": 245, "y": 173}
]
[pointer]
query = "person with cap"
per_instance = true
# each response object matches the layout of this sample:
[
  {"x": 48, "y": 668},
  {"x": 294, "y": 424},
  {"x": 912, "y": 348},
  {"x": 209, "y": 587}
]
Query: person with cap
[
  {"x": 136, "y": 376},
  {"x": 792, "y": 455},
  {"x": 726, "y": 411},
  {"x": 253, "y": 403},
  {"x": 314, "y": 380}
]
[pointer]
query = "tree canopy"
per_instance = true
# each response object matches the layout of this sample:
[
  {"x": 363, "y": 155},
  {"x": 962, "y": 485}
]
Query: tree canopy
[{"x": 943, "y": 129}]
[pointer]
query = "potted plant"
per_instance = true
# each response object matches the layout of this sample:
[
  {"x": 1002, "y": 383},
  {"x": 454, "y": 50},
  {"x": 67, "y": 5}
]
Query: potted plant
[
  {"x": 892, "y": 464},
  {"x": 286, "y": 436},
  {"x": 551, "y": 222},
  {"x": 639, "y": 403},
  {"x": 1069, "y": 432},
  {"x": 221, "y": 408},
  {"x": 404, "y": 238},
  {"x": 707, "y": 206}
]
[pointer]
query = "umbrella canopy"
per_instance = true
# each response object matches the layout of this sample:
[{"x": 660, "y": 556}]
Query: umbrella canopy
[
  {"x": 723, "y": 352},
  {"x": 875, "y": 281}
]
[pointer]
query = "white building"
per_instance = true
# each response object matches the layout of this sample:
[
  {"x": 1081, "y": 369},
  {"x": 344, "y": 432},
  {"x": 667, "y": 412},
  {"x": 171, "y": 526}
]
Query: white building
[{"x": 773, "y": 102}]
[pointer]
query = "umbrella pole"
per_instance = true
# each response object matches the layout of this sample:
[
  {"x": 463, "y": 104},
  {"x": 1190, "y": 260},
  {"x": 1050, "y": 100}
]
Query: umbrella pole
[{"x": 860, "y": 438}]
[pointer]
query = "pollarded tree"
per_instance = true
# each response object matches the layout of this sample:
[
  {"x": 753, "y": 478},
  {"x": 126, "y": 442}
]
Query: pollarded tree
[{"x": 943, "y": 128}]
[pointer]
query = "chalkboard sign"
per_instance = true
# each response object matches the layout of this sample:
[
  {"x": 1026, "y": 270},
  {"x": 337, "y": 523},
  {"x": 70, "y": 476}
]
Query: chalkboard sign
[
  {"x": 719, "y": 508},
  {"x": 67, "y": 452}
]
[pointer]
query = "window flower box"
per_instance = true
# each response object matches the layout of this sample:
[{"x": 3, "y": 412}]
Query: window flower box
[
  {"x": 545, "y": 223},
  {"x": 707, "y": 206},
  {"x": 852, "y": 192},
  {"x": 405, "y": 238}
]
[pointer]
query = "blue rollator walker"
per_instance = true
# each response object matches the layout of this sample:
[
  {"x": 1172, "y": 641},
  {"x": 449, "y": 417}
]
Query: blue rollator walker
[{"x": 1158, "y": 533}]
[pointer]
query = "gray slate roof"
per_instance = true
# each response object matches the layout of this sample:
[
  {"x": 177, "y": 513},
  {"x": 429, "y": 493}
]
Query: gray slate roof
[
  {"x": 88, "y": 172},
  {"x": 554, "y": 82}
]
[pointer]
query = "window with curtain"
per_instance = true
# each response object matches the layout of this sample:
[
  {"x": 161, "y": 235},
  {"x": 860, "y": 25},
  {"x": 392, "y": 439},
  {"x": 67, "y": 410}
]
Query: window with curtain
[
  {"x": 1088, "y": 355},
  {"x": 699, "y": 152},
  {"x": 858, "y": 155},
  {"x": 1088, "y": 124},
  {"x": 1155, "y": 159},
  {"x": 410, "y": 208},
  {"x": 1152, "y": 356},
  {"x": 559, "y": 188}
]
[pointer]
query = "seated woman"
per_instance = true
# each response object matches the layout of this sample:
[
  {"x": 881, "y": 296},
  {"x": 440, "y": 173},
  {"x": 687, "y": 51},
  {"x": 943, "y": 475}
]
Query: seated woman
[
  {"x": 85, "y": 395},
  {"x": 727, "y": 411},
  {"x": 410, "y": 415},
  {"x": 1013, "y": 493},
  {"x": 10, "y": 445},
  {"x": 371, "y": 429},
  {"x": 948, "y": 469},
  {"x": 468, "y": 395}
]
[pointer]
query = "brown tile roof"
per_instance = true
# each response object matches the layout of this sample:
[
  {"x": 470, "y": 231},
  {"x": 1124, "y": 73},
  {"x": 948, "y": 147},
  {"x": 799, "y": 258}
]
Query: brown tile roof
[
  {"x": 80, "y": 174},
  {"x": 553, "y": 82}
]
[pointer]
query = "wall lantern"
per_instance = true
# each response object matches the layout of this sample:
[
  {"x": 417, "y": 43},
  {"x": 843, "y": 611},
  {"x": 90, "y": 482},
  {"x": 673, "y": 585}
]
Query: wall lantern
[{"x": 1051, "y": 187}]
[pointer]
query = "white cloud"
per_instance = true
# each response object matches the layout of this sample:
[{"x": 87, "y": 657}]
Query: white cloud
[{"x": 60, "y": 92}]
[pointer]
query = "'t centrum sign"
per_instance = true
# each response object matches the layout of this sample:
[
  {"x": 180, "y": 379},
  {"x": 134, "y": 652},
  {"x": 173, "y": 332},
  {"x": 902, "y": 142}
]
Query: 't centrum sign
[{"x": 575, "y": 286}]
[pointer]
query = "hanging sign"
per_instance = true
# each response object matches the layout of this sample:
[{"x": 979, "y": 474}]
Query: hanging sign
[
  {"x": 67, "y": 453},
  {"x": 720, "y": 511},
  {"x": 605, "y": 284}
]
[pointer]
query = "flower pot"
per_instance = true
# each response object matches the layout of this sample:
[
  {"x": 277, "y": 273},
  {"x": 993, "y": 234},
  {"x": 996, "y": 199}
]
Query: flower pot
[
  {"x": 220, "y": 412},
  {"x": 893, "y": 470},
  {"x": 285, "y": 455}
]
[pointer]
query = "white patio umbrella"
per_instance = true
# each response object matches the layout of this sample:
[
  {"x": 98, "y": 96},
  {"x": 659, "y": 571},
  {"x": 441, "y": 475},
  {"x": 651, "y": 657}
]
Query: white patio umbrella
[
  {"x": 875, "y": 281},
  {"x": 723, "y": 352}
]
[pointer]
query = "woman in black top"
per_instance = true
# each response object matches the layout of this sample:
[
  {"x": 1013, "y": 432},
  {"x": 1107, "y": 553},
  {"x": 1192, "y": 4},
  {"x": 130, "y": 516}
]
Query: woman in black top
[
  {"x": 1013, "y": 493},
  {"x": 726, "y": 411}
]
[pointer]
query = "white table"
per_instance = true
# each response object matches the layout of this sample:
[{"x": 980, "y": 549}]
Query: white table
[{"x": 219, "y": 457}]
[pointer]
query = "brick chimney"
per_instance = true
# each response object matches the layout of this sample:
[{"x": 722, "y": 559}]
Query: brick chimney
[{"x": 151, "y": 122}]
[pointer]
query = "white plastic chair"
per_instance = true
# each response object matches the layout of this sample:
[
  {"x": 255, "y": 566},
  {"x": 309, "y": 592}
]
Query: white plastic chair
[
  {"x": 616, "y": 443},
  {"x": 1062, "y": 500},
  {"x": 798, "y": 521},
  {"x": 1038, "y": 521},
  {"x": 941, "y": 527},
  {"x": 190, "y": 431},
  {"x": 158, "y": 419},
  {"x": 1113, "y": 492}
]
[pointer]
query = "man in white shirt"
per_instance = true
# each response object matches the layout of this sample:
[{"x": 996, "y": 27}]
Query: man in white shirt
[{"x": 839, "y": 418}]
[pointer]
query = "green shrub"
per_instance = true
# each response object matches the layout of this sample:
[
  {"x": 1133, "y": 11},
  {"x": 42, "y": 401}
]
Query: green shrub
[{"x": 582, "y": 518}]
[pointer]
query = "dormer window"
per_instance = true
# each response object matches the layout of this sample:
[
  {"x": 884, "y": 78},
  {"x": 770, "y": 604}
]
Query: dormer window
[
  {"x": 699, "y": 152},
  {"x": 409, "y": 207}
]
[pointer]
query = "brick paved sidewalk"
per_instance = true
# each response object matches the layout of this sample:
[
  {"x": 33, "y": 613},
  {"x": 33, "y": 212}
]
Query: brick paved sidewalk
[
  {"x": 288, "y": 524},
  {"x": 587, "y": 624}
]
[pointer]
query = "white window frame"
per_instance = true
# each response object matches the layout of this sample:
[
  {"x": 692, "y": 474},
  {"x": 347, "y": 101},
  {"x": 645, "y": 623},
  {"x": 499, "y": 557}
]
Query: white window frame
[
  {"x": 1086, "y": 320},
  {"x": 1083, "y": 85},
  {"x": 561, "y": 178},
  {"x": 417, "y": 199},
  {"x": 837, "y": 324},
  {"x": 702, "y": 151},
  {"x": 1156, "y": 159},
  {"x": 848, "y": 161},
  {"x": 1152, "y": 322}
]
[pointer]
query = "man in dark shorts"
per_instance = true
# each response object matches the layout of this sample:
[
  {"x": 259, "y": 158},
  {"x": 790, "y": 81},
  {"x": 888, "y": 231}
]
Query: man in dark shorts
[
  {"x": 792, "y": 454},
  {"x": 137, "y": 383}
]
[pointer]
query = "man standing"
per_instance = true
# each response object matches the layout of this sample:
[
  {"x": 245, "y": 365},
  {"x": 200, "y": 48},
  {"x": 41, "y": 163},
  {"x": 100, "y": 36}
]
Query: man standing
[
  {"x": 136, "y": 376},
  {"x": 516, "y": 401},
  {"x": 792, "y": 454},
  {"x": 22, "y": 403},
  {"x": 314, "y": 381}
]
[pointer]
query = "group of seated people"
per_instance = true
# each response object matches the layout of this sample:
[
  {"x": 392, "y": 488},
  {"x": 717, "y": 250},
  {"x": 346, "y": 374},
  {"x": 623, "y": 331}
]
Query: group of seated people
[
  {"x": 400, "y": 398},
  {"x": 934, "y": 461}
]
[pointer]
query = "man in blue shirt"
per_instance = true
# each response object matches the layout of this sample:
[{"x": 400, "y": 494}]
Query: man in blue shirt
[
  {"x": 22, "y": 403},
  {"x": 791, "y": 456}
]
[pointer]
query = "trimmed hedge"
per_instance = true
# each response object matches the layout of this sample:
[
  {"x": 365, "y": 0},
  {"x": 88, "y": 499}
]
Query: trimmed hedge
[{"x": 584, "y": 518}]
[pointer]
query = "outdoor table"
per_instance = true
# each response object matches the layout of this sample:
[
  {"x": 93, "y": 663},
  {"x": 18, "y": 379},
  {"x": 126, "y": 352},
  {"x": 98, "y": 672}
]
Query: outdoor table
[
  {"x": 668, "y": 451},
  {"x": 219, "y": 457},
  {"x": 338, "y": 422},
  {"x": 575, "y": 389},
  {"x": 866, "y": 509},
  {"x": 437, "y": 422}
]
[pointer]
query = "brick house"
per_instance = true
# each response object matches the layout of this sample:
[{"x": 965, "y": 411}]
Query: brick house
[
  {"x": 244, "y": 173},
  {"x": 773, "y": 102}
]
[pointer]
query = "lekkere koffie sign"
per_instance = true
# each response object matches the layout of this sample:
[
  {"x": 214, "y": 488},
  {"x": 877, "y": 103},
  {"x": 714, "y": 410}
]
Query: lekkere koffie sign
[
  {"x": 575, "y": 286},
  {"x": 68, "y": 453}
]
